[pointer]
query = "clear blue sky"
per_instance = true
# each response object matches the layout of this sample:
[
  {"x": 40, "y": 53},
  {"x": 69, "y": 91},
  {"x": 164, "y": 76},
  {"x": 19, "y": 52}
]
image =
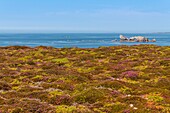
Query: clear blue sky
[{"x": 84, "y": 16}]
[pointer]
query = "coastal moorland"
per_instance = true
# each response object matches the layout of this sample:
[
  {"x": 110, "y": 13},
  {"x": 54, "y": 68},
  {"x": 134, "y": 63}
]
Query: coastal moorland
[{"x": 118, "y": 79}]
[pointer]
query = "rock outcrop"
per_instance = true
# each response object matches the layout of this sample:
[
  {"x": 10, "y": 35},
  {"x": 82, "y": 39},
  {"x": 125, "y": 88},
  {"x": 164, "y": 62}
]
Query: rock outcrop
[
  {"x": 136, "y": 39},
  {"x": 123, "y": 37}
]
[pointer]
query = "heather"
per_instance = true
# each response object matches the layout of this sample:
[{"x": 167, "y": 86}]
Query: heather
[{"x": 119, "y": 79}]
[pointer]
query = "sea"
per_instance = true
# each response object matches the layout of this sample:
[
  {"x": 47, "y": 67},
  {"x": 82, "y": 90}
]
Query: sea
[{"x": 80, "y": 40}]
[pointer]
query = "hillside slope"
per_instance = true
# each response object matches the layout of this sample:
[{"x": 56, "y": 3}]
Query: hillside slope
[{"x": 72, "y": 80}]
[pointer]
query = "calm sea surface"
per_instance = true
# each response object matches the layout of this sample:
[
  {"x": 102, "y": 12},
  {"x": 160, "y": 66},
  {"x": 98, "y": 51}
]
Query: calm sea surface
[{"x": 81, "y": 40}]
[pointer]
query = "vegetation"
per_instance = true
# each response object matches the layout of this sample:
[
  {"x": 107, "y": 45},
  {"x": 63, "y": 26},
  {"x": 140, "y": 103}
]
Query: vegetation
[{"x": 120, "y": 79}]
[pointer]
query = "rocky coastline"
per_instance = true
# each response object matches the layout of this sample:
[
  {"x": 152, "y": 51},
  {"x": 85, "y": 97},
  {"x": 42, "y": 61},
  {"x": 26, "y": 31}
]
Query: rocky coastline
[{"x": 135, "y": 39}]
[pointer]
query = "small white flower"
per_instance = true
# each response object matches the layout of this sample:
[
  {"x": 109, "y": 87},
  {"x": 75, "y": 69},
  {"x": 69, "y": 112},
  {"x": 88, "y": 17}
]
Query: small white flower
[
  {"x": 110, "y": 89},
  {"x": 135, "y": 108},
  {"x": 117, "y": 79},
  {"x": 112, "y": 78},
  {"x": 129, "y": 95},
  {"x": 131, "y": 105}
]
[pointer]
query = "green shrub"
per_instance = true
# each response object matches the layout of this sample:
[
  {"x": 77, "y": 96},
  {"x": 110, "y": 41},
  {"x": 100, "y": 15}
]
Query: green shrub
[
  {"x": 60, "y": 61},
  {"x": 66, "y": 109},
  {"x": 112, "y": 84},
  {"x": 155, "y": 97},
  {"x": 115, "y": 107},
  {"x": 90, "y": 95}
]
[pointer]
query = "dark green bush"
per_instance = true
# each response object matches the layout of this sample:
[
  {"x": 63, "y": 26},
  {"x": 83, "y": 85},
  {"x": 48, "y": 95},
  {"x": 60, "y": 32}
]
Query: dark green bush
[{"x": 90, "y": 95}]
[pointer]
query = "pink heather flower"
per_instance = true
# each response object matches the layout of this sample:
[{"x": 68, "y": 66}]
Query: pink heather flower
[{"x": 130, "y": 74}]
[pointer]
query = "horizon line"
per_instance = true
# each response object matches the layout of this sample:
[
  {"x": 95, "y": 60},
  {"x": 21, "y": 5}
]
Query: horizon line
[{"x": 83, "y": 32}]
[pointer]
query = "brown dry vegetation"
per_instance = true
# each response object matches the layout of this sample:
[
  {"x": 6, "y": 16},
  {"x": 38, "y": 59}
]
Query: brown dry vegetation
[{"x": 120, "y": 79}]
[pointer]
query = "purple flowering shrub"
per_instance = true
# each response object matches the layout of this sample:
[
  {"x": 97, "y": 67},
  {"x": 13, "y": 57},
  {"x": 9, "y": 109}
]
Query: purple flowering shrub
[
  {"x": 130, "y": 74},
  {"x": 95, "y": 80}
]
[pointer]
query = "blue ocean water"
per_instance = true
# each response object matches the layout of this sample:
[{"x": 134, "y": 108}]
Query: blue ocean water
[{"x": 81, "y": 40}]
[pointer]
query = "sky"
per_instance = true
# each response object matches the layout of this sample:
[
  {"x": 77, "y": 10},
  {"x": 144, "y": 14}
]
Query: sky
[{"x": 60, "y": 16}]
